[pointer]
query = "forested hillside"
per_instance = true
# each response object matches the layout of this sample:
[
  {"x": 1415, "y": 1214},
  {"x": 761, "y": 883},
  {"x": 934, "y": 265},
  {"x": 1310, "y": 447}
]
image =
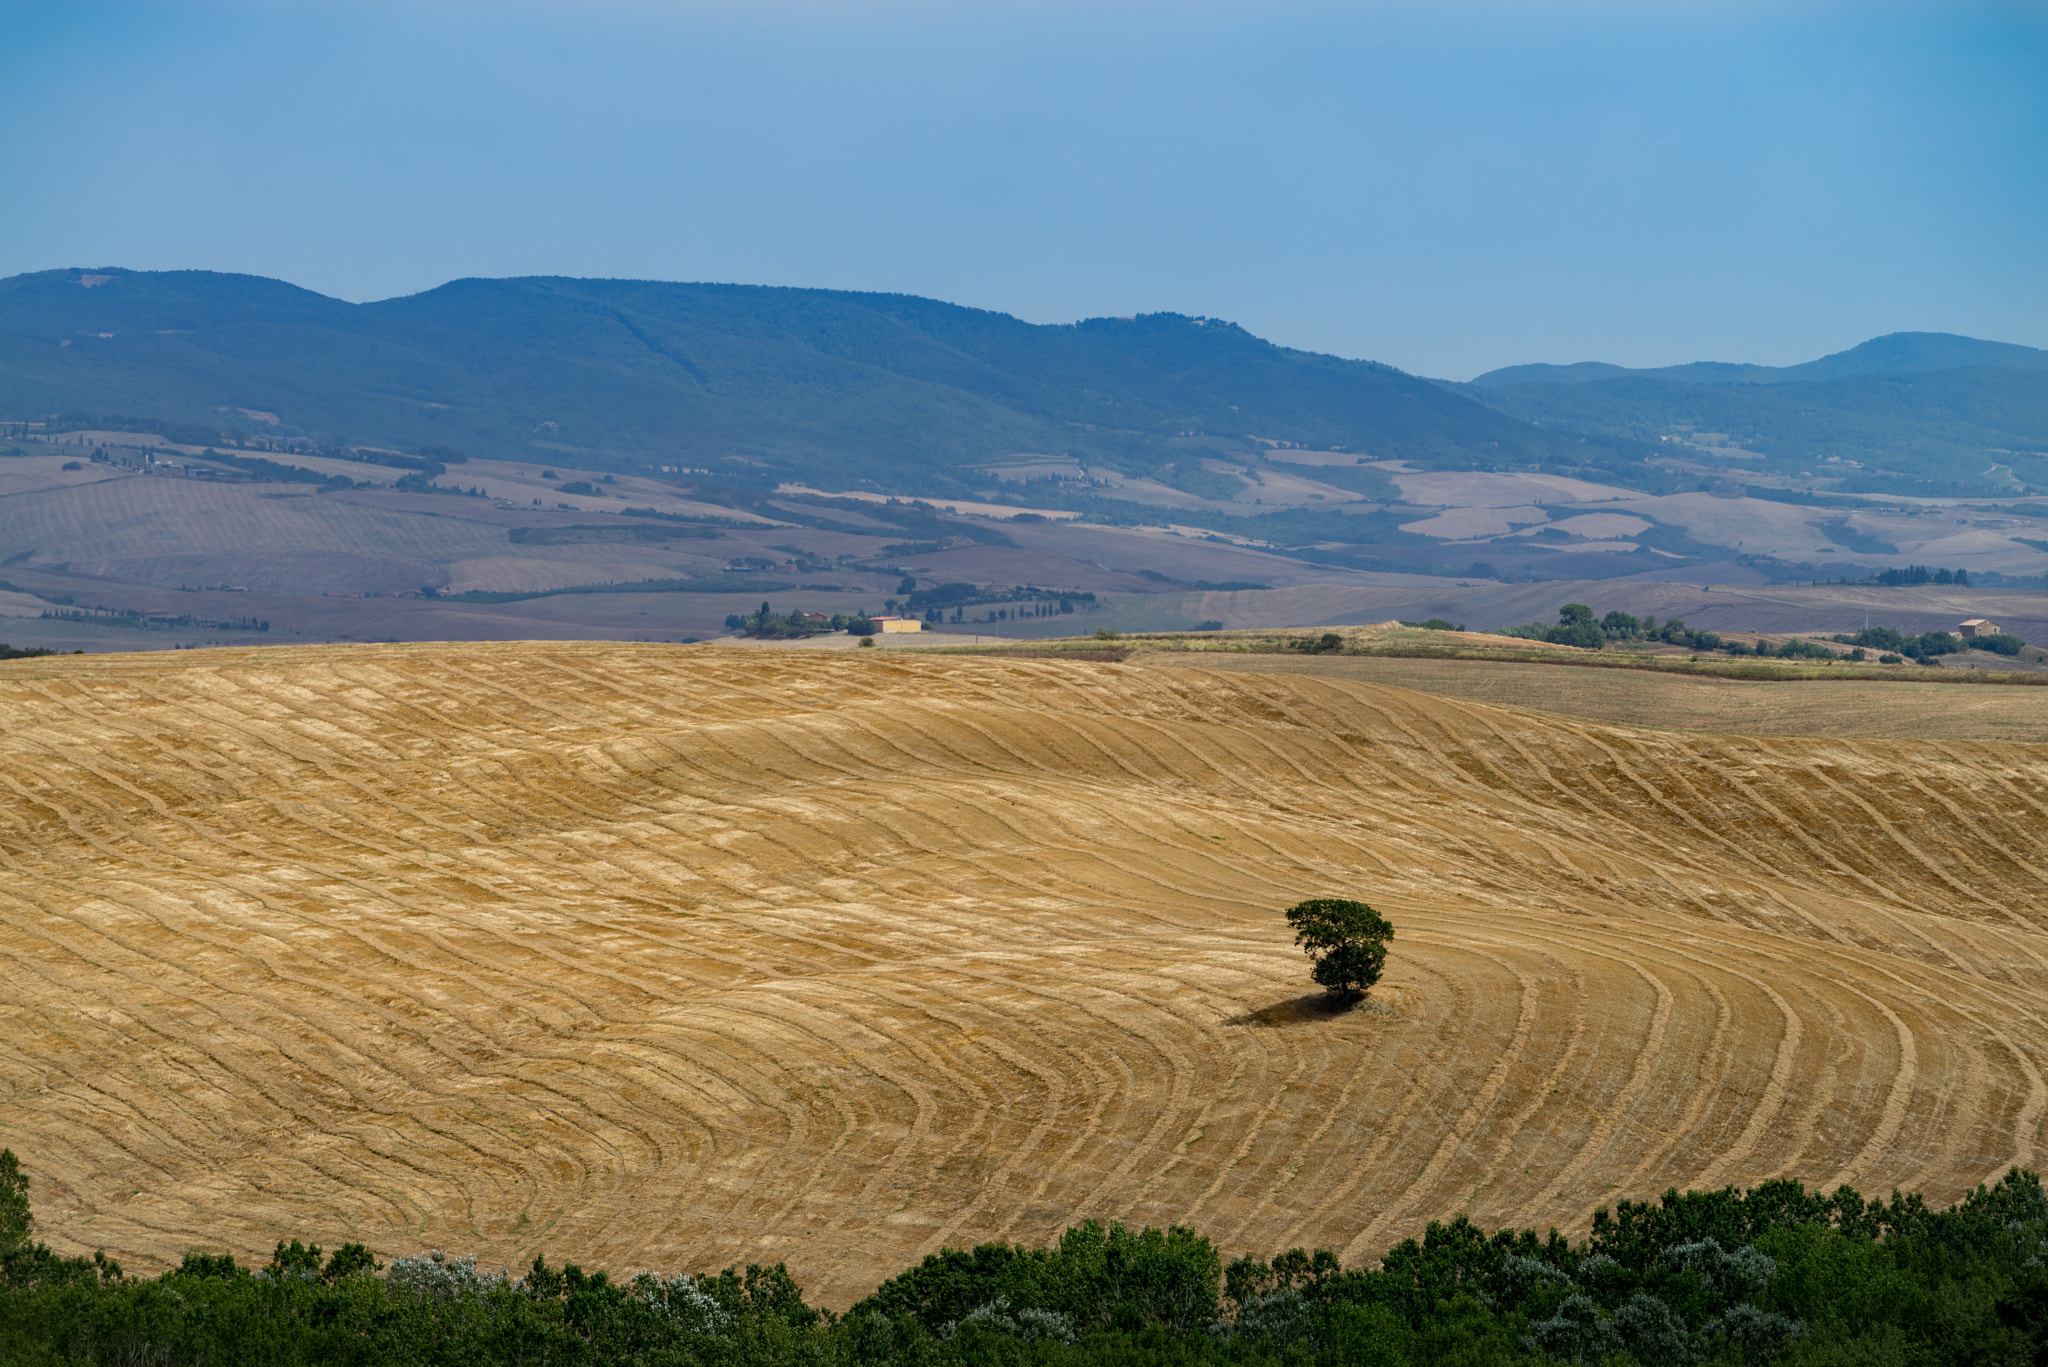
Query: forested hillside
[{"x": 807, "y": 384}]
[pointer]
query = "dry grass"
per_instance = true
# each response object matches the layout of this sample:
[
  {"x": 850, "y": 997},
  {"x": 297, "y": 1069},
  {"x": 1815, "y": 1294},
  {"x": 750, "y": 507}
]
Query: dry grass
[
  {"x": 1822, "y": 707},
  {"x": 669, "y": 956}
]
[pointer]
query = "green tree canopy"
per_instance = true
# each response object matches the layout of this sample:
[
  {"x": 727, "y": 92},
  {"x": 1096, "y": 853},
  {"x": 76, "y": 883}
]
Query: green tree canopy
[
  {"x": 1346, "y": 939},
  {"x": 15, "y": 1220}
]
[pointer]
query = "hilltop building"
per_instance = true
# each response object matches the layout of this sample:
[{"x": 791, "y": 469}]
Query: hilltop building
[
  {"x": 1977, "y": 626},
  {"x": 898, "y": 623}
]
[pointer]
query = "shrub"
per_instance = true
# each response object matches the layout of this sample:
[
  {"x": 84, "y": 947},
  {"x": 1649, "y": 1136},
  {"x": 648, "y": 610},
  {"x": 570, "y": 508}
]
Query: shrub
[
  {"x": 1880, "y": 638},
  {"x": 1575, "y": 627},
  {"x": 438, "y": 1277}
]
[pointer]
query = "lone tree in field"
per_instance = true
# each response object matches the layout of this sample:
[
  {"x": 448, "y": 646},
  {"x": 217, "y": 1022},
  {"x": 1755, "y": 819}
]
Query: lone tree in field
[{"x": 1347, "y": 940}]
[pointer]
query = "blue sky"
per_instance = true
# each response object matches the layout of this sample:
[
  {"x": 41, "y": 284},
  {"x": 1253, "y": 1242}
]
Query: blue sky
[{"x": 1445, "y": 187}]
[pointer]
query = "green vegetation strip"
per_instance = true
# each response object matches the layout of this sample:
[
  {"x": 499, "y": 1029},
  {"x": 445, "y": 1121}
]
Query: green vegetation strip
[{"x": 1775, "y": 1273}]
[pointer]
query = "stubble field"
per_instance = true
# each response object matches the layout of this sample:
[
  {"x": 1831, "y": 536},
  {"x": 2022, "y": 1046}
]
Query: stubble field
[
  {"x": 1896, "y": 709},
  {"x": 669, "y": 956}
]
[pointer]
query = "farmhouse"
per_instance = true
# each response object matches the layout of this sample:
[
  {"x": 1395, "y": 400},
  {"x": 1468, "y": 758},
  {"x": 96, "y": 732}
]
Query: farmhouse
[
  {"x": 1977, "y": 626},
  {"x": 898, "y": 623}
]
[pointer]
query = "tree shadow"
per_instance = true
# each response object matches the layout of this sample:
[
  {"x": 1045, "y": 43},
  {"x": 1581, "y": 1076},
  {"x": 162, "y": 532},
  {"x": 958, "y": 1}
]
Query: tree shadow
[{"x": 1304, "y": 1010}]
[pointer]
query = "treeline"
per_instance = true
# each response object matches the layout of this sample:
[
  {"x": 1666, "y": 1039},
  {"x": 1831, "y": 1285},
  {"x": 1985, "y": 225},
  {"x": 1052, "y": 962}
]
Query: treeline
[
  {"x": 123, "y": 617},
  {"x": 1775, "y": 1274},
  {"x": 1576, "y": 626},
  {"x": 1920, "y": 574},
  {"x": 1929, "y": 644},
  {"x": 933, "y": 603},
  {"x": 767, "y": 623}
]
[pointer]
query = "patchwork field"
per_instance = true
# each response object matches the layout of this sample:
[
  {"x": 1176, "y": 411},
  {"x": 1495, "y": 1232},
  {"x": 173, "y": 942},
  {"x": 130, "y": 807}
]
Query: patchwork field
[{"x": 669, "y": 956}]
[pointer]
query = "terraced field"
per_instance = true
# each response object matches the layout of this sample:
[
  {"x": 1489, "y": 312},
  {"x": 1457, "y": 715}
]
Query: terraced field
[{"x": 668, "y": 956}]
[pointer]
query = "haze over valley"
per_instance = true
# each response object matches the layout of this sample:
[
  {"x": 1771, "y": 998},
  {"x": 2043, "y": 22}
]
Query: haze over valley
[{"x": 179, "y": 437}]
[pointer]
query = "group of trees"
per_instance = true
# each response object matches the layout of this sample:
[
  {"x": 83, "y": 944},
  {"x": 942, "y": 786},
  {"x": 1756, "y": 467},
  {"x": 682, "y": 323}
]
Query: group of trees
[
  {"x": 770, "y": 624},
  {"x": 1928, "y": 645},
  {"x": 1775, "y": 1274},
  {"x": 1576, "y": 626},
  {"x": 1020, "y": 601},
  {"x": 1920, "y": 574}
]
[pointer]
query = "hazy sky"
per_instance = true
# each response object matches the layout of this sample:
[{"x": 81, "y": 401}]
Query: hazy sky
[{"x": 1445, "y": 187}]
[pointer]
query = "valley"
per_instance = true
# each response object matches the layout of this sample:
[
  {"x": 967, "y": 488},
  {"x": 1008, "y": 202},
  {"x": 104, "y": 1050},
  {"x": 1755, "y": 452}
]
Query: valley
[{"x": 113, "y": 540}]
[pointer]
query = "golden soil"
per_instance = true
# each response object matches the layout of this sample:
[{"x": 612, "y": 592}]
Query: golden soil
[
  {"x": 1906, "y": 709},
  {"x": 668, "y": 956}
]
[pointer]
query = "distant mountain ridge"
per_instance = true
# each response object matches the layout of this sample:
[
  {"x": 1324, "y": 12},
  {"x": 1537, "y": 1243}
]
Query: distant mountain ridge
[
  {"x": 755, "y": 381},
  {"x": 1914, "y": 413},
  {"x": 1896, "y": 353},
  {"x": 755, "y": 385}
]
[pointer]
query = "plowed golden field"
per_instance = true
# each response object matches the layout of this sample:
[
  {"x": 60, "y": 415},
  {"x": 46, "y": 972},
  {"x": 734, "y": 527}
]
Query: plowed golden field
[{"x": 669, "y": 956}]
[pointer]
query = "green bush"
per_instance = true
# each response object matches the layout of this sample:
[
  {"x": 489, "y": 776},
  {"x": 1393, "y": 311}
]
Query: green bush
[
  {"x": 1776, "y": 1273},
  {"x": 1880, "y": 638},
  {"x": 1575, "y": 627}
]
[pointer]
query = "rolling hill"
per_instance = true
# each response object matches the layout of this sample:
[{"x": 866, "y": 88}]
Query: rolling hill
[
  {"x": 1924, "y": 414},
  {"x": 677, "y": 955}
]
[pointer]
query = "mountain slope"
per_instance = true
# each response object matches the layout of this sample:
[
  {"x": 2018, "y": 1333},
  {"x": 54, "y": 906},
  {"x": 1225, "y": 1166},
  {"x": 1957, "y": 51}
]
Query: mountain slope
[
  {"x": 813, "y": 384},
  {"x": 1977, "y": 431}
]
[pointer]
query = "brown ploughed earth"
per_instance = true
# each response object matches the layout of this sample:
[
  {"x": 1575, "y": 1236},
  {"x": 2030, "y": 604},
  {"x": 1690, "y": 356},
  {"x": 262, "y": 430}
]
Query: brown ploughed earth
[{"x": 665, "y": 957}]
